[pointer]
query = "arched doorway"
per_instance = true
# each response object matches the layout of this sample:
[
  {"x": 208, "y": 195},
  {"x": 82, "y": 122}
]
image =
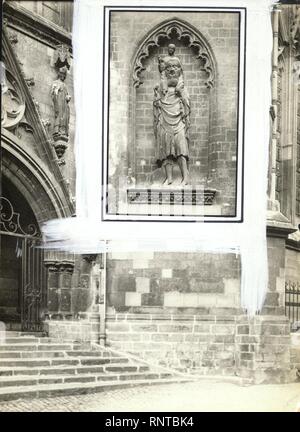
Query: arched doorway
[{"x": 23, "y": 286}]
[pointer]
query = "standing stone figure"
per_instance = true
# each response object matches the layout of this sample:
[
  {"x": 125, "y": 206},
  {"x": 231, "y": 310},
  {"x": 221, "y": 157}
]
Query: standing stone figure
[
  {"x": 61, "y": 99},
  {"x": 171, "y": 109}
]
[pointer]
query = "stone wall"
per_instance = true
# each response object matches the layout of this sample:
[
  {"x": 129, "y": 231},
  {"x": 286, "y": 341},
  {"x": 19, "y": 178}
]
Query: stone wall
[
  {"x": 172, "y": 280},
  {"x": 274, "y": 302},
  {"x": 292, "y": 265},
  {"x": 221, "y": 343},
  {"x": 83, "y": 330}
]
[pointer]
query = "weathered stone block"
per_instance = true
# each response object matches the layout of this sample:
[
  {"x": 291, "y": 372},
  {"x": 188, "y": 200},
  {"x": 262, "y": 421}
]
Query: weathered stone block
[
  {"x": 65, "y": 300},
  {"x": 117, "y": 327},
  {"x": 53, "y": 300},
  {"x": 133, "y": 299},
  {"x": 243, "y": 329},
  {"x": 142, "y": 285},
  {"x": 166, "y": 273}
]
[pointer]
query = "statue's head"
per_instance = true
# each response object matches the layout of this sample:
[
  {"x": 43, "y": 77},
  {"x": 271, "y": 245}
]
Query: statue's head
[
  {"x": 62, "y": 73},
  {"x": 173, "y": 68},
  {"x": 171, "y": 49}
]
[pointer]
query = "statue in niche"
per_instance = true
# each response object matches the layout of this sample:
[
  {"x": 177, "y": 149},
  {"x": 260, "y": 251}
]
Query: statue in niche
[
  {"x": 171, "y": 109},
  {"x": 61, "y": 99}
]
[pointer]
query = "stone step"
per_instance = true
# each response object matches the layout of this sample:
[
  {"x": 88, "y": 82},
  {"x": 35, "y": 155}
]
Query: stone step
[
  {"x": 33, "y": 366},
  {"x": 61, "y": 369},
  {"x": 24, "y": 380},
  {"x": 17, "y": 362},
  {"x": 15, "y": 333},
  {"x": 91, "y": 354},
  {"x": 31, "y": 354},
  {"x": 127, "y": 368},
  {"x": 21, "y": 340},
  {"x": 35, "y": 347},
  {"x": 50, "y": 390}
]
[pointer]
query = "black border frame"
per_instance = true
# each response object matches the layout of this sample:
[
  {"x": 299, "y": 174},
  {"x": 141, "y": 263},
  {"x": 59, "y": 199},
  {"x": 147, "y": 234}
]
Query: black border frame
[{"x": 184, "y": 9}]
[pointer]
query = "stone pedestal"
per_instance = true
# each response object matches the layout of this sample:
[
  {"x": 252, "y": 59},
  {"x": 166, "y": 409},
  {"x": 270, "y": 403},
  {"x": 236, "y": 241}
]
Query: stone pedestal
[{"x": 171, "y": 201}]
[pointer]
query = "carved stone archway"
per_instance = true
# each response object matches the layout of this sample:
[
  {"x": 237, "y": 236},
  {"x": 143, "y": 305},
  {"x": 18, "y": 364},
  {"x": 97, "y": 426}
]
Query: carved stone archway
[
  {"x": 183, "y": 31},
  {"x": 192, "y": 38},
  {"x": 33, "y": 179}
]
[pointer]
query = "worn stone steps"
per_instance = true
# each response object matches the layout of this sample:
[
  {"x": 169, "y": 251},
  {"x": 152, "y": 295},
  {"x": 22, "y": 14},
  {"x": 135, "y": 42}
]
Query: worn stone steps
[
  {"x": 23, "y": 380},
  {"x": 63, "y": 369},
  {"x": 35, "y": 347},
  {"x": 50, "y": 390},
  {"x": 30, "y": 354},
  {"x": 16, "y": 362},
  {"x": 36, "y": 367},
  {"x": 37, "y": 353}
]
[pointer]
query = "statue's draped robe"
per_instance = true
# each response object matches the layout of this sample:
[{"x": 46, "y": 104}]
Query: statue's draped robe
[
  {"x": 61, "y": 99},
  {"x": 171, "y": 122}
]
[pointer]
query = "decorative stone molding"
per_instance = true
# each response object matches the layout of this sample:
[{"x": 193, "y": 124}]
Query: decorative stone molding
[
  {"x": 13, "y": 38},
  {"x": 52, "y": 266},
  {"x": 13, "y": 106},
  {"x": 295, "y": 31},
  {"x": 183, "y": 31},
  {"x": 21, "y": 19},
  {"x": 90, "y": 257},
  {"x": 60, "y": 148},
  {"x": 30, "y": 81},
  {"x": 44, "y": 146},
  {"x": 296, "y": 70},
  {"x": 46, "y": 123}
]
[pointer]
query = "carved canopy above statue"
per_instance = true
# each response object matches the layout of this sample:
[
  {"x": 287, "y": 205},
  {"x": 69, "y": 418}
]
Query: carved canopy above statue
[{"x": 183, "y": 31}]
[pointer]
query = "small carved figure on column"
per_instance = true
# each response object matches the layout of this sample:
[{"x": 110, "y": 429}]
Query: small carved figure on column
[
  {"x": 61, "y": 99},
  {"x": 171, "y": 109}
]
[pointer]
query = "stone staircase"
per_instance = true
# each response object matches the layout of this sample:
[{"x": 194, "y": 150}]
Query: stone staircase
[{"x": 35, "y": 366}]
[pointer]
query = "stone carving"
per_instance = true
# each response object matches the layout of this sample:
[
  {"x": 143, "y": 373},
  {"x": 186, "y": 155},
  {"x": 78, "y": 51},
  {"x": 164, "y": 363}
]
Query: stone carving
[
  {"x": 13, "y": 106},
  {"x": 295, "y": 30},
  {"x": 30, "y": 81},
  {"x": 13, "y": 38},
  {"x": 62, "y": 57},
  {"x": 181, "y": 31},
  {"x": 172, "y": 196},
  {"x": 61, "y": 99},
  {"x": 171, "y": 109}
]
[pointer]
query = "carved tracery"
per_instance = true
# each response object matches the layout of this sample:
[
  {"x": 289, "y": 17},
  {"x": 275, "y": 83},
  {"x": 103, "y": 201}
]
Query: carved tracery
[
  {"x": 13, "y": 111},
  {"x": 182, "y": 32}
]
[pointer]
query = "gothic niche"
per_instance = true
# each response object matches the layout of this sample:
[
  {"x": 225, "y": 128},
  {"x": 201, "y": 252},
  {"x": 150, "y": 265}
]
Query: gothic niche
[
  {"x": 173, "y": 87},
  {"x": 61, "y": 98}
]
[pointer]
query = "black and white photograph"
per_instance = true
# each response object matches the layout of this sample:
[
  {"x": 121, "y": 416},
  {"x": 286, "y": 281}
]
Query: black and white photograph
[
  {"x": 150, "y": 330},
  {"x": 174, "y": 142}
]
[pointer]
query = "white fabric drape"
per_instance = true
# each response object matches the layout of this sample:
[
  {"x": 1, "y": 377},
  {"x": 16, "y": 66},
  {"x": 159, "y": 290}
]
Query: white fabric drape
[{"x": 86, "y": 233}]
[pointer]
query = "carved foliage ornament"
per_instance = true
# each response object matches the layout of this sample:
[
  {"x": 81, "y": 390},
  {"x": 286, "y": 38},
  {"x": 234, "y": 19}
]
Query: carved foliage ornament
[
  {"x": 295, "y": 32},
  {"x": 13, "y": 108},
  {"x": 62, "y": 57},
  {"x": 182, "y": 32}
]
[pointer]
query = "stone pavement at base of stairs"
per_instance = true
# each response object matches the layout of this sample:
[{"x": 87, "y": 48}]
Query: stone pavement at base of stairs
[{"x": 202, "y": 396}]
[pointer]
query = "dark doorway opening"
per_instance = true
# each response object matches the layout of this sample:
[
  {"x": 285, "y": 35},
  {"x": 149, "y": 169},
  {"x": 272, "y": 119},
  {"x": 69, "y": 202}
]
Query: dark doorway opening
[{"x": 22, "y": 271}]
